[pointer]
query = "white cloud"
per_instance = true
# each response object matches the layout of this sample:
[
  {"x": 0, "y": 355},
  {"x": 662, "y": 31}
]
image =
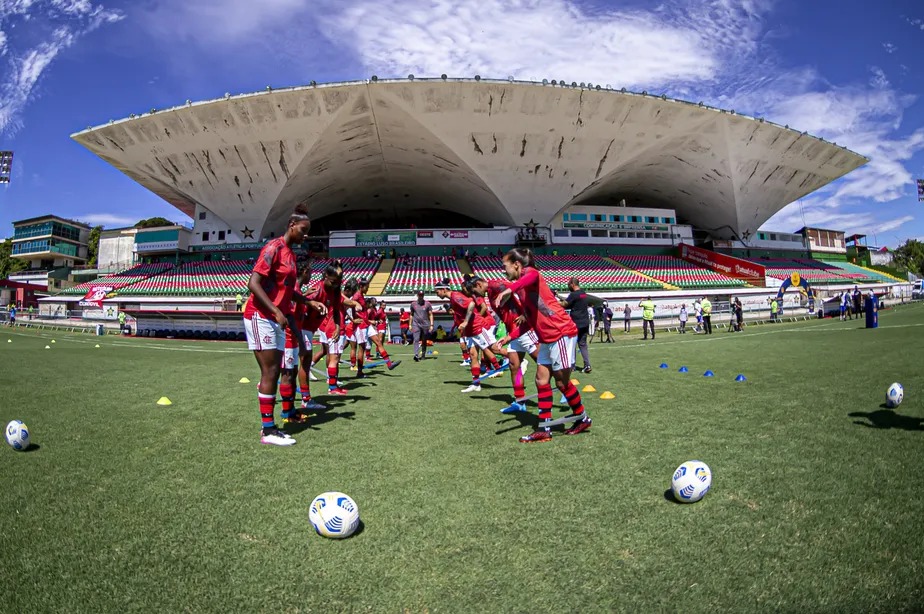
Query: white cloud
[
  {"x": 107, "y": 219},
  {"x": 889, "y": 48},
  {"x": 893, "y": 224},
  {"x": 63, "y": 23}
]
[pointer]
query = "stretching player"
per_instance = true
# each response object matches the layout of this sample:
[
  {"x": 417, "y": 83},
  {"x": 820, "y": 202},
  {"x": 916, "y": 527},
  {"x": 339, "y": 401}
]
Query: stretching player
[
  {"x": 269, "y": 312},
  {"x": 522, "y": 340},
  {"x": 470, "y": 325},
  {"x": 310, "y": 324},
  {"x": 557, "y": 339},
  {"x": 376, "y": 317},
  {"x": 328, "y": 294}
]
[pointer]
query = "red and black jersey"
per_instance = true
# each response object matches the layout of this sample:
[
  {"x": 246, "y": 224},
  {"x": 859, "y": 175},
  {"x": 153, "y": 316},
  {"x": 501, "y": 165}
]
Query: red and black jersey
[
  {"x": 544, "y": 314},
  {"x": 276, "y": 265},
  {"x": 333, "y": 301},
  {"x": 459, "y": 303},
  {"x": 509, "y": 311},
  {"x": 361, "y": 310},
  {"x": 312, "y": 318}
]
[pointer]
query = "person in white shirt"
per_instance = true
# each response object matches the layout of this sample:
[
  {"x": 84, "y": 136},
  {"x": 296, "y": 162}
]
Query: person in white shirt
[{"x": 683, "y": 319}]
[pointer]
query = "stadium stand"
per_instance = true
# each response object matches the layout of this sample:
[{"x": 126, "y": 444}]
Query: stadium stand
[
  {"x": 222, "y": 278},
  {"x": 865, "y": 275},
  {"x": 595, "y": 272},
  {"x": 677, "y": 272},
  {"x": 813, "y": 271},
  {"x": 352, "y": 267},
  {"x": 412, "y": 274},
  {"x": 121, "y": 279}
]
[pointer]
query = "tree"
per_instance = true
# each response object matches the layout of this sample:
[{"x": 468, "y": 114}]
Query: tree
[
  {"x": 910, "y": 256},
  {"x": 8, "y": 264},
  {"x": 151, "y": 222},
  {"x": 93, "y": 246}
]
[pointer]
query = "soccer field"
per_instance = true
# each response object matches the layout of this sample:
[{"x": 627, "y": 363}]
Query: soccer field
[{"x": 123, "y": 505}]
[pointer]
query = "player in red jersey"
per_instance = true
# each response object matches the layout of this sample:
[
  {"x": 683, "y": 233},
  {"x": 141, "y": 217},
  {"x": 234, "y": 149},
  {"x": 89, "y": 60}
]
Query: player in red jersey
[
  {"x": 470, "y": 325},
  {"x": 331, "y": 329},
  {"x": 268, "y": 313},
  {"x": 354, "y": 290},
  {"x": 522, "y": 340},
  {"x": 294, "y": 344},
  {"x": 376, "y": 317},
  {"x": 311, "y": 321},
  {"x": 557, "y": 339}
]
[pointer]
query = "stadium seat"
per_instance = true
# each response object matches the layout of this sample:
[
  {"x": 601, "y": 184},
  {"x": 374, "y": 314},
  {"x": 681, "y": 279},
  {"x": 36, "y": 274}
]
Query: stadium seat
[
  {"x": 422, "y": 273},
  {"x": 677, "y": 272}
]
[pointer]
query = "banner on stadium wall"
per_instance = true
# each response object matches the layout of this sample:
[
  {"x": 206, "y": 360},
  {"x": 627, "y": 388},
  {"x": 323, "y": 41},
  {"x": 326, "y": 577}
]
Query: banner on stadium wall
[
  {"x": 455, "y": 234},
  {"x": 385, "y": 239},
  {"x": 424, "y": 234},
  {"x": 95, "y": 296},
  {"x": 727, "y": 265}
]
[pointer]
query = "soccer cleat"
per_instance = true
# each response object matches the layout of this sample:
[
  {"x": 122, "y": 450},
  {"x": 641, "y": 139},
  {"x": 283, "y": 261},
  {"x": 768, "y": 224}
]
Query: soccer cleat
[
  {"x": 353, "y": 368},
  {"x": 465, "y": 363},
  {"x": 536, "y": 437},
  {"x": 340, "y": 392},
  {"x": 495, "y": 375},
  {"x": 312, "y": 405},
  {"x": 523, "y": 367},
  {"x": 275, "y": 437},
  {"x": 579, "y": 427},
  {"x": 472, "y": 388},
  {"x": 312, "y": 376},
  {"x": 514, "y": 408},
  {"x": 296, "y": 418},
  {"x": 393, "y": 364},
  {"x": 416, "y": 358},
  {"x": 589, "y": 369},
  {"x": 359, "y": 375}
]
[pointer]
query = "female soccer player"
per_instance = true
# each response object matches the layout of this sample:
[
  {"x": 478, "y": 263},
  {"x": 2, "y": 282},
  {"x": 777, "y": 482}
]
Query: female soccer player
[
  {"x": 295, "y": 344},
  {"x": 311, "y": 321},
  {"x": 522, "y": 340},
  {"x": 332, "y": 340},
  {"x": 470, "y": 325},
  {"x": 377, "y": 319},
  {"x": 557, "y": 339},
  {"x": 269, "y": 312}
]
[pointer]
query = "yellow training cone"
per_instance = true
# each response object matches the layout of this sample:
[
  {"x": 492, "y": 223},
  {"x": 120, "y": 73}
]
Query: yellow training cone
[
  {"x": 588, "y": 388},
  {"x": 47, "y": 347},
  {"x": 97, "y": 345},
  {"x": 53, "y": 341},
  {"x": 9, "y": 341},
  {"x": 164, "y": 401},
  {"x": 607, "y": 395},
  {"x": 436, "y": 352},
  {"x": 244, "y": 380},
  {"x": 575, "y": 382}
]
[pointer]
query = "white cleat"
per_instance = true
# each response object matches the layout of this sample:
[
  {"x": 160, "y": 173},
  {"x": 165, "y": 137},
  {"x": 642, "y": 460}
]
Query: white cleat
[
  {"x": 277, "y": 438},
  {"x": 472, "y": 388},
  {"x": 523, "y": 367},
  {"x": 312, "y": 376},
  {"x": 495, "y": 375}
]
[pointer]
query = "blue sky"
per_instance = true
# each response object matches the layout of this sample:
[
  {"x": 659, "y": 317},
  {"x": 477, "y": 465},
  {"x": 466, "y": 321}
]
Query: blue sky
[{"x": 846, "y": 70}]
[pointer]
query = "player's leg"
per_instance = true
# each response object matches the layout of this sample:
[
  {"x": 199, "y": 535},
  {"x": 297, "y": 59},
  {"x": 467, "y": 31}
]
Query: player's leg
[
  {"x": 267, "y": 340},
  {"x": 380, "y": 348},
  {"x": 562, "y": 357}
]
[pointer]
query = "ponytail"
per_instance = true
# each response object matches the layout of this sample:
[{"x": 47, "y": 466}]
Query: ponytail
[
  {"x": 299, "y": 214},
  {"x": 523, "y": 256},
  {"x": 334, "y": 269}
]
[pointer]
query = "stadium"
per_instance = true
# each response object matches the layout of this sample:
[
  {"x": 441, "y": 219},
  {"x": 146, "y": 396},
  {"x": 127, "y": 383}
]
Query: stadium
[
  {"x": 145, "y": 472},
  {"x": 409, "y": 181}
]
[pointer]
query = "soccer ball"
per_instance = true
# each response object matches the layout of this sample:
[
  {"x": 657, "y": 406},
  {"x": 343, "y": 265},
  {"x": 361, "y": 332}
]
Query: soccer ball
[
  {"x": 691, "y": 481},
  {"x": 334, "y": 514},
  {"x": 894, "y": 395},
  {"x": 17, "y": 435}
]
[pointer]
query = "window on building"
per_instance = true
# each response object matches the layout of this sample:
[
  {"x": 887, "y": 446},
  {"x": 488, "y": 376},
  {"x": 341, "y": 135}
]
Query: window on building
[
  {"x": 614, "y": 218},
  {"x": 565, "y": 217},
  {"x": 221, "y": 235},
  {"x": 578, "y": 233},
  {"x": 597, "y": 217},
  {"x": 205, "y": 236},
  {"x": 578, "y": 217},
  {"x": 636, "y": 218},
  {"x": 560, "y": 232},
  {"x": 599, "y": 233},
  {"x": 202, "y": 215}
]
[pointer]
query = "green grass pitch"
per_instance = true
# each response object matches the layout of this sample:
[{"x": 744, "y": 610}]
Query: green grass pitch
[{"x": 816, "y": 505}]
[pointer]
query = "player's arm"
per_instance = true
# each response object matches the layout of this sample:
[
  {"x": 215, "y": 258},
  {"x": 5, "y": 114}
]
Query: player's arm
[
  {"x": 483, "y": 308},
  {"x": 255, "y": 285},
  {"x": 430, "y": 313},
  {"x": 468, "y": 315},
  {"x": 530, "y": 277}
]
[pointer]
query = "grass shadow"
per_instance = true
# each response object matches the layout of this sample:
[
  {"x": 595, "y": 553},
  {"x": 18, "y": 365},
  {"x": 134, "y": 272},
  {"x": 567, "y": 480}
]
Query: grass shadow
[
  {"x": 33, "y": 447},
  {"x": 669, "y": 496},
  {"x": 521, "y": 418},
  {"x": 886, "y": 418}
]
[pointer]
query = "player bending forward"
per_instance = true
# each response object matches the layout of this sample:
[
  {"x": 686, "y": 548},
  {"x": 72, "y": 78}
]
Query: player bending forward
[
  {"x": 522, "y": 340},
  {"x": 557, "y": 339}
]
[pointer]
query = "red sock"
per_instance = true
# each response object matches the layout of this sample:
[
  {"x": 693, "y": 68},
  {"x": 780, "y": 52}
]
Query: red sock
[
  {"x": 545, "y": 401},
  {"x": 267, "y": 407},
  {"x": 353, "y": 357},
  {"x": 519, "y": 390},
  {"x": 494, "y": 364},
  {"x": 574, "y": 398},
  {"x": 476, "y": 372},
  {"x": 385, "y": 357},
  {"x": 466, "y": 355},
  {"x": 331, "y": 377},
  {"x": 287, "y": 392}
]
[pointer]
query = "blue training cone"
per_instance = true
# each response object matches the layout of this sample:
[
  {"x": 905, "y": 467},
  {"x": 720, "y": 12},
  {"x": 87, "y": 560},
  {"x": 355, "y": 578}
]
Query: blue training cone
[
  {"x": 663, "y": 365},
  {"x": 708, "y": 374},
  {"x": 683, "y": 370},
  {"x": 563, "y": 400},
  {"x": 741, "y": 378}
]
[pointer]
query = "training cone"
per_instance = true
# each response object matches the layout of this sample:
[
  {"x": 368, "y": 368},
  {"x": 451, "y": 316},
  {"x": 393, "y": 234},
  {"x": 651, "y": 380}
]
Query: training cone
[
  {"x": 562, "y": 400},
  {"x": 683, "y": 370},
  {"x": 244, "y": 380},
  {"x": 436, "y": 352},
  {"x": 47, "y": 347},
  {"x": 164, "y": 401},
  {"x": 741, "y": 378},
  {"x": 607, "y": 395},
  {"x": 663, "y": 365},
  {"x": 708, "y": 374},
  {"x": 588, "y": 388},
  {"x": 53, "y": 341},
  {"x": 9, "y": 341},
  {"x": 97, "y": 345},
  {"x": 575, "y": 382}
]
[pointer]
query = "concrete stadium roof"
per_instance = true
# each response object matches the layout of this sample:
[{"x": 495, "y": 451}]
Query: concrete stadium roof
[{"x": 502, "y": 152}]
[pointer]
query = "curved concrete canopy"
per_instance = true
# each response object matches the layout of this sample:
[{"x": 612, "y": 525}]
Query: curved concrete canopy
[{"x": 499, "y": 151}]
